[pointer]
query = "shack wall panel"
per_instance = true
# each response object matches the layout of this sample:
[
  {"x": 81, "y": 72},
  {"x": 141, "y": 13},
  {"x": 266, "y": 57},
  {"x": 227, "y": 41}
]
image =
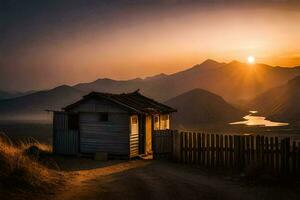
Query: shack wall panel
[
  {"x": 64, "y": 141},
  {"x": 111, "y": 136}
]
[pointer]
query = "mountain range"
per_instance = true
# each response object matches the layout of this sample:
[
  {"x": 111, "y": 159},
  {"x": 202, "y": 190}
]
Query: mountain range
[
  {"x": 235, "y": 82},
  {"x": 9, "y": 95},
  {"x": 33, "y": 106}
]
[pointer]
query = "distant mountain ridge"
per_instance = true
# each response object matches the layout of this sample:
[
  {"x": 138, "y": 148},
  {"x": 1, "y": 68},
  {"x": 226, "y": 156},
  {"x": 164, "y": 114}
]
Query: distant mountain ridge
[
  {"x": 202, "y": 107},
  {"x": 9, "y": 95},
  {"x": 5, "y": 95},
  {"x": 233, "y": 81},
  {"x": 36, "y": 103},
  {"x": 280, "y": 103}
]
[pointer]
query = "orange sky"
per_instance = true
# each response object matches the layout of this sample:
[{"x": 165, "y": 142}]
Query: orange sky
[{"x": 138, "y": 41}]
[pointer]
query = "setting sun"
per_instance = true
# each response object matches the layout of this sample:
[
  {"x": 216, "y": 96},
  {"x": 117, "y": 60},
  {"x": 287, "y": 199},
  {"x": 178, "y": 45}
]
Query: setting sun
[{"x": 251, "y": 59}]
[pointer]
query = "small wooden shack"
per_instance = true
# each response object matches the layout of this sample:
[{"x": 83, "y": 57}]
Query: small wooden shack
[{"x": 116, "y": 124}]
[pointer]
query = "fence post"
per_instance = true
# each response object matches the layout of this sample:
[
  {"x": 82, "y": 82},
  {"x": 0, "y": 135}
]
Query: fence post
[
  {"x": 258, "y": 158},
  {"x": 176, "y": 146},
  {"x": 154, "y": 144},
  {"x": 203, "y": 149},
  {"x": 262, "y": 148},
  {"x": 190, "y": 149},
  {"x": 236, "y": 149},
  {"x": 294, "y": 163},
  {"x": 267, "y": 152},
  {"x": 181, "y": 147},
  {"x": 277, "y": 166},
  {"x": 247, "y": 149},
  {"x": 199, "y": 142},
  {"x": 231, "y": 151},
  {"x": 298, "y": 159},
  {"x": 242, "y": 152},
  {"x": 272, "y": 153},
  {"x": 194, "y": 148},
  {"x": 212, "y": 163},
  {"x": 185, "y": 142},
  {"x": 226, "y": 152},
  {"x": 207, "y": 150},
  {"x": 282, "y": 156},
  {"x": 287, "y": 160},
  {"x": 252, "y": 150},
  {"x": 221, "y": 150}
]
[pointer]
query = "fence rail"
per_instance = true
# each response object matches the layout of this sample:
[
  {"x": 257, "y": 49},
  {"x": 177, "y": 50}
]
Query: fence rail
[{"x": 278, "y": 155}]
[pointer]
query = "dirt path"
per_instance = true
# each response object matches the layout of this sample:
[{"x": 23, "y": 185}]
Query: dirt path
[
  {"x": 84, "y": 183},
  {"x": 142, "y": 179}
]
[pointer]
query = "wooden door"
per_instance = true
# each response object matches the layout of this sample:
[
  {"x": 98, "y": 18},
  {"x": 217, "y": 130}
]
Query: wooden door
[
  {"x": 148, "y": 134},
  {"x": 141, "y": 120}
]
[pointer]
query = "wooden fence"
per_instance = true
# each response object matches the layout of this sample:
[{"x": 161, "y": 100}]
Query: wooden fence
[
  {"x": 162, "y": 143},
  {"x": 278, "y": 155}
]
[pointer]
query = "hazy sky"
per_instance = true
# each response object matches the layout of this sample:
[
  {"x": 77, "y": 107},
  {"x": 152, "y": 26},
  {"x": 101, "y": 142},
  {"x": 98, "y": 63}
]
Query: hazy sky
[{"x": 47, "y": 43}]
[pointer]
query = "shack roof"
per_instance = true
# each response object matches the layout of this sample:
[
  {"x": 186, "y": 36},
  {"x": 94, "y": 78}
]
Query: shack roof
[{"x": 134, "y": 101}]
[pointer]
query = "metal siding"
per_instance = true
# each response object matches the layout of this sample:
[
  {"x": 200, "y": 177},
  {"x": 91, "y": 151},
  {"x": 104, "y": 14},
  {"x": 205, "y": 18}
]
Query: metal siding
[
  {"x": 111, "y": 137},
  {"x": 64, "y": 141}
]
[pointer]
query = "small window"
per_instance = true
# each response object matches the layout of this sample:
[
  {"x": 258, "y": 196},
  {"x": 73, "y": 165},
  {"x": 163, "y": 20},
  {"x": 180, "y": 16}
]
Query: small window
[
  {"x": 134, "y": 120},
  {"x": 103, "y": 117},
  {"x": 73, "y": 122}
]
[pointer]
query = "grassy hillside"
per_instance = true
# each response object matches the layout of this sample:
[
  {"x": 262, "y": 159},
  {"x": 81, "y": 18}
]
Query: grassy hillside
[{"x": 22, "y": 172}]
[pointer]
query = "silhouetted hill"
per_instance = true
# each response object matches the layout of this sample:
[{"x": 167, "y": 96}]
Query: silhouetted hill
[
  {"x": 110, "y": 85},
  {"x": 280, "y": 103},
  {"x": 200, "y": 106},
  {"x": 34, "y": 105}
]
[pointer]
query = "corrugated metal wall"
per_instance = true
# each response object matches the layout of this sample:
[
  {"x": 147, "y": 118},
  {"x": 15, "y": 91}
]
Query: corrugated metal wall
[
  {"x": 64, "y": 141},
  {"x": 110, "y": 136}
]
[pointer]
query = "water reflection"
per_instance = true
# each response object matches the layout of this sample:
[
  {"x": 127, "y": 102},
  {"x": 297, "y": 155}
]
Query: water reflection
[{"x": 254, "y": 120}]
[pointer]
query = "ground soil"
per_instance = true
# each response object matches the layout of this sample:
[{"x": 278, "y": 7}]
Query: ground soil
[{"x": 149, "y": 179}]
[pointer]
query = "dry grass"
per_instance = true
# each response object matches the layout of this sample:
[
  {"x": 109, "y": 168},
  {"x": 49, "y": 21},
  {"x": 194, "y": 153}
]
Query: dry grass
[{"x": 19, "y": 172}]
